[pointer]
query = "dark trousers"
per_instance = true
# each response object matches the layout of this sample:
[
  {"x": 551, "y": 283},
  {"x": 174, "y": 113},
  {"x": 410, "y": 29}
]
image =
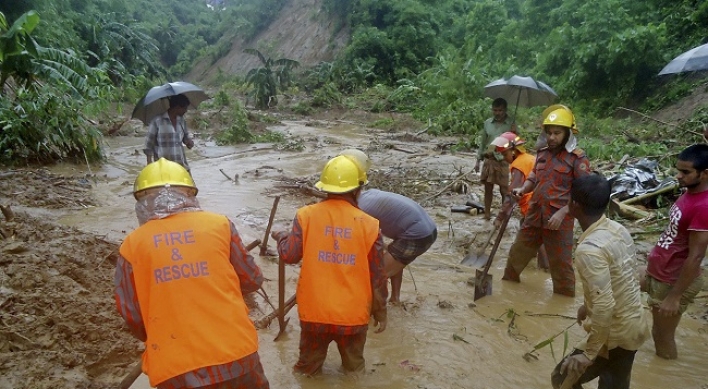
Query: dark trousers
[
  {"x": 313, "y": 351},
  {"x": 615, "y": 372}
]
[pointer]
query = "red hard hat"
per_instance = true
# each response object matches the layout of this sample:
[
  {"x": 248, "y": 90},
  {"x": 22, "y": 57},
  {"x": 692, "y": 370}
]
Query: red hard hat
[{"x": 514, "y": 139}]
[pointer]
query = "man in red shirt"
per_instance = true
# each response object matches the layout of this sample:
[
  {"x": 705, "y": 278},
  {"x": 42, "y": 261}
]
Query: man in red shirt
[{"x": 673, "y": 276}]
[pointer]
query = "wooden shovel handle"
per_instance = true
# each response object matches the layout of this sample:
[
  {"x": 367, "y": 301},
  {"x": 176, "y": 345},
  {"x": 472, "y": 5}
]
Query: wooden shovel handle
[
  {"x": 264, "y": 322},
  {"x": 502, "y": 228},
  {"x": 264, "y": 246}
]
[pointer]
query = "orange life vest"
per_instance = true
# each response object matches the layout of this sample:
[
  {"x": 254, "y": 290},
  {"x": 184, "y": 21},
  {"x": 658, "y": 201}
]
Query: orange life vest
[
  {"x": 189, "y": 294},
  {"x": 524, "y": 163},
  {"x": 335, "y": 284}
]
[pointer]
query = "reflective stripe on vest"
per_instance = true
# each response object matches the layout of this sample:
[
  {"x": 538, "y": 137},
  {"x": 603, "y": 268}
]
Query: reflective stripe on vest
[
  {"x": 335, "y": 284},
  {"x": 189, "y": 293},
  {"x": 524, "y": 163}
]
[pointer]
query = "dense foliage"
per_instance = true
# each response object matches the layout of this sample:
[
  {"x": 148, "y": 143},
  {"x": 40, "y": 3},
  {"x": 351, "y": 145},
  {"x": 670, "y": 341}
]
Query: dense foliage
[{"x": 430, "y": 58}]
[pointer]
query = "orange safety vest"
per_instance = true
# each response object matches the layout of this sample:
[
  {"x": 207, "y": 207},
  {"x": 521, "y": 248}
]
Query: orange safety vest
[
  {"x": 189, "y": 294},
  {"x": 335, "y": 284},
  {"x": 524, "y": 163}
]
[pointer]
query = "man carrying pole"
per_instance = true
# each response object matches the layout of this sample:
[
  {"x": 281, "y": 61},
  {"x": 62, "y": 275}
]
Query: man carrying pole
[{"x": 342, "y": 281}]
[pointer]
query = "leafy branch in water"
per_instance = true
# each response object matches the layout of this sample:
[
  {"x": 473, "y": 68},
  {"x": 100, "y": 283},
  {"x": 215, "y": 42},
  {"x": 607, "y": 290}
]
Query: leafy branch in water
[{"x": 529, "y": 356}]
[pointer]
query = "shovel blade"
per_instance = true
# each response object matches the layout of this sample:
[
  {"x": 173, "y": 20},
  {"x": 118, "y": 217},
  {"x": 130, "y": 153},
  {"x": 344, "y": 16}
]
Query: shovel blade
[
  {"x": 282, "y": 330},
  {"x": 482, "y": 284},
  {"x": 475, "y": 260}
]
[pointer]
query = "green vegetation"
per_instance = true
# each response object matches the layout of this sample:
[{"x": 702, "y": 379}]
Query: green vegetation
[
  {"x": 268, "y": 79},
  {"x": 63, "y": 62}
]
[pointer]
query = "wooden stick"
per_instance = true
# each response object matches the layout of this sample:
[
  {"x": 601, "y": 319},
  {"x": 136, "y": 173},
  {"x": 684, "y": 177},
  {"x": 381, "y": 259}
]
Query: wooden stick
[
  {"x": 448, "y": 186},
  {"x": 264, "y": 322},
  {"x": 226, "y": 175},
  {"x": 633, "y": 200},
  {"x": 264, "y": 246}
]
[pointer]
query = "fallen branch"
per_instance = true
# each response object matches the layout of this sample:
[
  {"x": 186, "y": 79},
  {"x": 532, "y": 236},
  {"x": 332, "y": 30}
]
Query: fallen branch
[
  {"x": 226, "y": 175},
  {"x": 307, "y": 189},
  {"x": 628, "y": 211},
  {"x": 655, "y": 193},
  {"x": 646, "y": 116},
  {"x": 394, "y": 147},
  {"x": 446, "y": 188}
]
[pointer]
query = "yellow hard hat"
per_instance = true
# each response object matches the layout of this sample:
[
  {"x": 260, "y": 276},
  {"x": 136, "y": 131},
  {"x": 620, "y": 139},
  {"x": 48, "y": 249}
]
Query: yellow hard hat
[
  {"x": 340, "y": 175},
  {"x": 362, "y": 161},
  {"x": 162, "y": 173},
  {"x": 560, "y": 117},
  {"x": 573, "y": 126}
]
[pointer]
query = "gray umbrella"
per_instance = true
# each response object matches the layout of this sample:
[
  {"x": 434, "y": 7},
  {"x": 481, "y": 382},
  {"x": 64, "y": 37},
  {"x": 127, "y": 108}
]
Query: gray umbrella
[
  {"x": 691, "y": 61},
  {"x": 155, "y": 102},
  {"x": 525, "y": 91}
]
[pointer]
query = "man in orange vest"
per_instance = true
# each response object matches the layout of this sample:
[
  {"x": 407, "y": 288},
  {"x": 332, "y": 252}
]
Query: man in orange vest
[
  {"x": 342, "y": 281},
  {"x": 510, "y": 146},
  {"x": 180, "y": 280}
]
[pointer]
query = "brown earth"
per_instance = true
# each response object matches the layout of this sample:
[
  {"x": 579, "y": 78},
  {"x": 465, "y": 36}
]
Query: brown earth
[
  {"x": 58, "y": 324},
  {"x": 301, "y": 32}
]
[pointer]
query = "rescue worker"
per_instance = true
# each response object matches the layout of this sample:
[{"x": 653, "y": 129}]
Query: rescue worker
[
  {"x": 547, "y": 221},
  {"x": 402, "y": 220},
  {"x": 495, "y": 170},
  {"x": 179, "y": 285},
  {"x": 510, "y": 146},
  {"x": 342, "y": 281}
]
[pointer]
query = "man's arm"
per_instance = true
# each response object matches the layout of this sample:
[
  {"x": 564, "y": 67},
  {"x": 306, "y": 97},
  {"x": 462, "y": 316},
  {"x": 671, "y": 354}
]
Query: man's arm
[
  {"x": 482, "y": 147},
  {"x": 697, "y": 244},
  {"x": 127, "y": 298},
  {"x": 379, "y": 284},
  {"x": 594, "y": 272},
  {"x": 290, "y": 244},
  {"x": 187, "y": 136},
  {"x": 151, "y": 141},
  {"x": 581, "y": 168},
  {"x": 249, "y": 274}
]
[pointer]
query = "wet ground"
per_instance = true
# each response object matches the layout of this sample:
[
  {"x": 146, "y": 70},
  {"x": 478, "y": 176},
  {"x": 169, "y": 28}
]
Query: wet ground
[{"x": 59, "y": 327}]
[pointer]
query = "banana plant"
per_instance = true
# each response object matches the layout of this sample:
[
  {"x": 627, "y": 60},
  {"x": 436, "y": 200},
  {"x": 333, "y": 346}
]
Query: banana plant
[{"x": 266, "y": 80}]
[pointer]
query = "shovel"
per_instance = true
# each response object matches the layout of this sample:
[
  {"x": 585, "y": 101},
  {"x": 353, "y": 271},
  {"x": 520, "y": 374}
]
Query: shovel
[
  {"x": 482, "y": 279},
  {"x": 478, "y": 259}
]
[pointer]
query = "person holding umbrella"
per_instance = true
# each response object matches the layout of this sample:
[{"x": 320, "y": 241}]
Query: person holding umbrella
[
  {"x": 495, "y": 170},
  {"x": 547, "y": 221},
  {"x": 168, "y": 132}
]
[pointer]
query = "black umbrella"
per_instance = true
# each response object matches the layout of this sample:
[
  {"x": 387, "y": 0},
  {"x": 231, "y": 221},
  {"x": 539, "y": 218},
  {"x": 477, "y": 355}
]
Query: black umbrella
[
  {"x": 155, "y": 101},
  {"x": 526, "y": 91},
  {"x": 691, "y": 61}
]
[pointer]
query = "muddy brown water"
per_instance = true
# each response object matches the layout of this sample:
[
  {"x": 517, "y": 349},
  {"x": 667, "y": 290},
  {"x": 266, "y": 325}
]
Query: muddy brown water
[{"x": 438, "y": 337}]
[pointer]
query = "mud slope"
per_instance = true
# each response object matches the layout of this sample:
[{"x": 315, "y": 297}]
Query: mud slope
[{"x": 301, "y": 32}]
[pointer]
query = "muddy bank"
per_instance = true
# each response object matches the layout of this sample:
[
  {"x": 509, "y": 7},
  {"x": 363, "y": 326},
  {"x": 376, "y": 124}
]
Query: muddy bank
[{"x": 59, "y": 327}]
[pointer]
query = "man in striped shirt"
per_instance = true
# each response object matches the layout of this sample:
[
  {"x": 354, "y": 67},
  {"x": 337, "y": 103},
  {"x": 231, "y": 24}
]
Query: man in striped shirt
[{"x": 167, "y": 133}]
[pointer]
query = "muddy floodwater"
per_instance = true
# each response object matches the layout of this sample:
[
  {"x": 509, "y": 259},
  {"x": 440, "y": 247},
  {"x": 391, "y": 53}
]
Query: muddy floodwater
[{"x": 438, "y": 337}]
